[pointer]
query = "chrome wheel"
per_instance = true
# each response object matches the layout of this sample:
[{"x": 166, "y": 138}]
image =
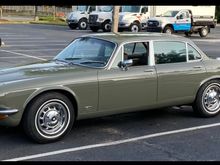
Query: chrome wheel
[
  {"x": 204, "y": 31},
  {"x": 52, "y": 118},
  {"x": 83, "y": 25},
  {"x": 107, "y": 27},
  {"x": 168, "y": 31},
  {"x": 211, "y": 98},
  {"x": 134, "y": 28}
]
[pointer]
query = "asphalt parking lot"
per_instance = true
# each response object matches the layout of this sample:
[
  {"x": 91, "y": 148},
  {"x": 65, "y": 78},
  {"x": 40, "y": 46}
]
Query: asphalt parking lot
[{"x": 158, "y": 135}]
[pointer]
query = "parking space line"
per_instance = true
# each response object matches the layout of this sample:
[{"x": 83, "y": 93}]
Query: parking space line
[
  {"x": 26, "y": 55},
  {"x": 112, "y": 143}
]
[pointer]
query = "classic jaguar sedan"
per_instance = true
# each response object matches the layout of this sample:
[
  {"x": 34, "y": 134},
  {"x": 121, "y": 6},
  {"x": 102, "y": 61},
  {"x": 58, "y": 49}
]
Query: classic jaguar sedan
[{"x": 104, "y": 74}]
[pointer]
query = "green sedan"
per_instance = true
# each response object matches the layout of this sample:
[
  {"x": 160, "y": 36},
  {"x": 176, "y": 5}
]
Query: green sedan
[{"x": 103, "y": 74}]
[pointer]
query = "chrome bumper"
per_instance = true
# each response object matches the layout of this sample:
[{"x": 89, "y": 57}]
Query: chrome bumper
[{"x": 8, "y": 111}]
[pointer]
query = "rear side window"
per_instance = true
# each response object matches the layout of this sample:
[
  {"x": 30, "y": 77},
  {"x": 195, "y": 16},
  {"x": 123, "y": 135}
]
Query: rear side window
[
  {"x": 193, "y": 54},
  {"x": 169, "y": 52}
]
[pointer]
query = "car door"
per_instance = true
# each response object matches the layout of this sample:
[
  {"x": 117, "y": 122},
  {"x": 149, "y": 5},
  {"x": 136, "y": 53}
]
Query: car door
[
  {"x": 183, "y": 21},
  {"x": 128, "y": 89},
  {"x": 179, "y": 71}
]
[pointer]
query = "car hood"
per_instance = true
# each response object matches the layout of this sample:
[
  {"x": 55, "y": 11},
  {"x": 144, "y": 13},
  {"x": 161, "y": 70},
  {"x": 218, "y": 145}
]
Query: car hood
[
  {"x": 76, "y": 14},
  {"x": 37, "y": 71}
]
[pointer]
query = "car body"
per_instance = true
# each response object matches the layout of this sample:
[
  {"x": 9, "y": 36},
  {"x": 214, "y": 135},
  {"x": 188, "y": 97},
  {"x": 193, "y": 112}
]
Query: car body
[{"x": 104, "y": 74}]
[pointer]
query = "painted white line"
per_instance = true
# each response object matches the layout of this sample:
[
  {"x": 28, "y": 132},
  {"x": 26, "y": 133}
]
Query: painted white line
[
  {"x": 26, "y": 55},
  {"x": 16, "y": 38},
  {"x": 23, "y": 57},
  {"x": 111, "y": 143},
  {"x": 34, "y": 50},
  {"x": 35, "y": 45}
]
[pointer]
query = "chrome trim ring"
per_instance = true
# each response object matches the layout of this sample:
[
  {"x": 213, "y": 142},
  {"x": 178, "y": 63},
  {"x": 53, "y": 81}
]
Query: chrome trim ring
[
  {"x": 134, "y": 28},
  {"x": 211, "y": 98},
  {"x": 83, "y": 24},
  {"x": 52, "y": 118}
]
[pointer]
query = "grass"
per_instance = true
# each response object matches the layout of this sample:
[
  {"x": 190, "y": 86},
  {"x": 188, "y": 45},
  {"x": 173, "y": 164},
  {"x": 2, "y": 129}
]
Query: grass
[{"x": 50, "y": 20}]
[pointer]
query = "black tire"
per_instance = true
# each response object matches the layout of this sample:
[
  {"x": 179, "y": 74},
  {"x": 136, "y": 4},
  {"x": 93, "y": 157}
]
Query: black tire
[
  {"x": 106, "y": 26},
  {"x": 72, "y": 26},
  {"x": 202, "y": 99},
  {"x": 135, "y": 27},
  {"x": 168, "y": 30},
  {"x": 204, "y": 31},
  {"x": 42, "y": 120},
  {"x": 188, "y": 34},
  {"x": 83, "y": 24},
  {"x": 94, "y": 29}
]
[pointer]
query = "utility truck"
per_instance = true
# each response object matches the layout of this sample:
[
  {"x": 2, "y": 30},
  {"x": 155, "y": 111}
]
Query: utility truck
[
  {"x": 79, "y": 18},
  {"x": 194, "y": 20}
]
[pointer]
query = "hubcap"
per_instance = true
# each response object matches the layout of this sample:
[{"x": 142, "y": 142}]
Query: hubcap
[
  {"x": 134, "y": 28},
  {"x": 83, "y": 25},
  {"x": 211, "y": 98},
  {"x": 107, "y": 26},
  {"x": 204, "y": 32},
  {"x": 52, "y": 118},
  {"x": 168, "y": 31}
]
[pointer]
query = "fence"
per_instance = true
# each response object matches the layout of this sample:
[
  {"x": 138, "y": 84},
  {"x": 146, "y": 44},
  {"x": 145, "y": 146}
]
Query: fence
[{"x": 30, "y": 10}]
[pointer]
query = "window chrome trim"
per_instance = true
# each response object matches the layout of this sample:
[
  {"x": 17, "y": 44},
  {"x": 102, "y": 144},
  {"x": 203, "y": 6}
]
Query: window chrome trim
[{"x": 187, "y": 43}]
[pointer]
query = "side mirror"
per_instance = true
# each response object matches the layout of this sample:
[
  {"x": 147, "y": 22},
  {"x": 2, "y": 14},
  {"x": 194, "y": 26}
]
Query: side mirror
[{"x": 125, "y": 64}]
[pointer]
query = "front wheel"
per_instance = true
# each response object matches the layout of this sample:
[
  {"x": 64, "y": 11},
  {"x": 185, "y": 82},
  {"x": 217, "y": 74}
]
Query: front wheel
[
  {"x": 168, "y": 30},
  {"x": 106, "y": 26},
  {"x": 207, "y": 103},
  {"x": 135, "y": 27},
  {"x": 83, "y": 24},
  {"x": 49, "y": 117}
]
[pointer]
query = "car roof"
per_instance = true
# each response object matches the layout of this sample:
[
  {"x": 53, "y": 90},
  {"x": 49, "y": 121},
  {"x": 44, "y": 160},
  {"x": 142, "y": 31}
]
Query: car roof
[{"x": 129, "y": 36}]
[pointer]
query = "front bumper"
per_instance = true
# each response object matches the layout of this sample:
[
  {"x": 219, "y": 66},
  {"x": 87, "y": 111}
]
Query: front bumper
[{"x": 71, "y": 21}]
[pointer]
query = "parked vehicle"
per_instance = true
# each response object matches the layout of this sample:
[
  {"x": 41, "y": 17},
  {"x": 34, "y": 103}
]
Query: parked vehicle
[
  {"x": 101, "y": 19},
  {"x": 181, "y": 21},
  {"x": 133, "y": 18},
  {"x": 79, "y": 18},
  {"x": 104, "y": 74}
]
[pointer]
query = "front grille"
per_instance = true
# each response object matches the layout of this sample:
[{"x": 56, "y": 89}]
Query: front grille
[
  {"x": 152, "y": 23},
  {"x": 93, "y": 18}
]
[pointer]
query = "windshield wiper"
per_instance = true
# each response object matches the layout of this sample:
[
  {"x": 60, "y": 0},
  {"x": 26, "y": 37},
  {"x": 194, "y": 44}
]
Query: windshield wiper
[
  {"x": 71, "y": 58},
  {"x": 90, "y": 62}
]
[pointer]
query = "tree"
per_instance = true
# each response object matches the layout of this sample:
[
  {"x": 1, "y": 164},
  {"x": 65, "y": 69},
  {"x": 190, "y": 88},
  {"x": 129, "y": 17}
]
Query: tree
[{"x": 115, "y": 19}]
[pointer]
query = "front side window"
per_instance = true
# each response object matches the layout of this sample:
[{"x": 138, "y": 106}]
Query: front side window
[
  {"x": 138, "y": 52},
  {"x": 193, "y": 54},
  {"x": 170, "y": 14},
  {"x": 169, "y": 52},
  {"x": 87, "y": 51},
  {"x": 82, "y": 8},
  {"x": 105, "y": 8}
]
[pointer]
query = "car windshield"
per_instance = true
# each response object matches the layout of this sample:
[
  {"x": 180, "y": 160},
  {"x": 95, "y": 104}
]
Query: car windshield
[
  {"x": 87, "y": 51},
  {"x": 133, "y": 9},
  {"x": 105, "y": 8},
  {"x": 82, "y": 8},
  {"x": 170, "y": 13}
]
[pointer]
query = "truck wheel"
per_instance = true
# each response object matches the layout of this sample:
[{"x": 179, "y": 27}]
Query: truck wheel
[
  {"x": 94, "y": 29},
  {"x": 203, "y": 31},
  {"x": 49, "y": 117},
  {"x": 72, "y": 26},
  {"x": 135, "y": 27},
  {"x": 207, "y": 103},
  {"x": 83, "y": 24},
  {"x": 106, "y": 26},
  {"x": 188, "y": 34},
  {"x": 168, "y": 30}
]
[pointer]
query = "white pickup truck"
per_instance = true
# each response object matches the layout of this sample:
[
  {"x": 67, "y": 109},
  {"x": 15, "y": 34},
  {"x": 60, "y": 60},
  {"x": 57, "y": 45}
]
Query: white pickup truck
[
  {"x": 181, "y": 21},
  {"x": 79, "y": 18}
]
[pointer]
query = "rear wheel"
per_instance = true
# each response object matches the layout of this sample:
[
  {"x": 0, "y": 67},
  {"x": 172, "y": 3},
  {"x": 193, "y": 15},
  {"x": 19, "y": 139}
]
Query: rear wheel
[
  {"x": 49, "y": 117},
  {"x": 188, "y": 34},
  {"x": 203, "y": 32},
  {"x": 207, "y": 103},
  {"x": 106, "y": 26}
]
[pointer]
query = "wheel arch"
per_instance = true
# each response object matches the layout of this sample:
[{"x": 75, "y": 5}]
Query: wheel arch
[
  {"x": 63, "y": 90},
  {"x": 168, "y": 25},
  {"x": 83, "y": 18}
]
